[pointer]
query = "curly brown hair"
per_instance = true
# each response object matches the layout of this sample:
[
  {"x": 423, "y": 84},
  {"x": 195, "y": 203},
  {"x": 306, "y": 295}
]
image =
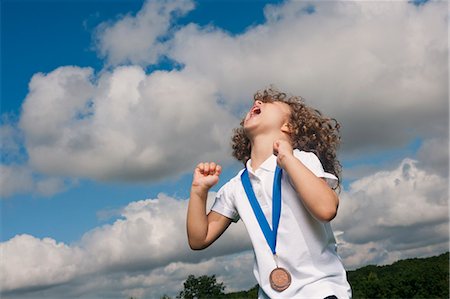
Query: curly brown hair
[{"x": 309, "y": 131}]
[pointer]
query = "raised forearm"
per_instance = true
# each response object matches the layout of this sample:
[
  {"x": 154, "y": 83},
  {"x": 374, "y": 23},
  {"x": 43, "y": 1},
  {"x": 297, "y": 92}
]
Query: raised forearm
[
  {"x": 197, "y": 220},
  {"x": 204, "y": 229},
  {"x": 321, "y": 201}
]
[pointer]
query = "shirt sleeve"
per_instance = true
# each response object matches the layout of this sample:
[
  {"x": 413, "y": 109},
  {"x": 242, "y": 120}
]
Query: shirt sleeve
[
  {"x": 224, "y": 204},
  {"x": 312, "y": 162}
]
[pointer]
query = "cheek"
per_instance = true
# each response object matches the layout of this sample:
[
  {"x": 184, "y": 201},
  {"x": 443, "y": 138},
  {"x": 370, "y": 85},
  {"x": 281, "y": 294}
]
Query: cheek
[
  {"x": 284, "y": 116},
  {"x": 285, "y": 111}
]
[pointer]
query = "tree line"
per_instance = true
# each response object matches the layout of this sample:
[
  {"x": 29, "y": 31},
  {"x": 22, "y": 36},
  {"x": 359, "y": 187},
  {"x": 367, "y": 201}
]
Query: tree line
[{"x": 411, "y": 278}]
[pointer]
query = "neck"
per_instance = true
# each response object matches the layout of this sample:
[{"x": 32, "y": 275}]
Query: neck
[{"x": 262, "y": 148}]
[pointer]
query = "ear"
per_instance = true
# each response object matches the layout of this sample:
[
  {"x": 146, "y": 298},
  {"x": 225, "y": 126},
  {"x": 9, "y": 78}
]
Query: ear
[{"x": 285, "y": 128}]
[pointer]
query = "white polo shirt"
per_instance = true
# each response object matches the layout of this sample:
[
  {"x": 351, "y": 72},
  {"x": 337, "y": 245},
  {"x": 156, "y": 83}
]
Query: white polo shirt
[{"x": 305, "y": 246}]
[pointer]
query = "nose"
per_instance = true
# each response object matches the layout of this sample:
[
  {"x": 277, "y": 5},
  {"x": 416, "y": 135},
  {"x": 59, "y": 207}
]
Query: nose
[{"x": 259, "y": 102}]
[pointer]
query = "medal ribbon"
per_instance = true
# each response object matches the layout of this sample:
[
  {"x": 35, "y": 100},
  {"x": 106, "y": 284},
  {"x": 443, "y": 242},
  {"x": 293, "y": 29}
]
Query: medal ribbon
[{"x": 269, "y": 234}]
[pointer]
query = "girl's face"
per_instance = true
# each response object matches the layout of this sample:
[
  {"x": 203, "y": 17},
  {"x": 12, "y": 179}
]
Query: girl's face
[{"x": 265, "y": 117}]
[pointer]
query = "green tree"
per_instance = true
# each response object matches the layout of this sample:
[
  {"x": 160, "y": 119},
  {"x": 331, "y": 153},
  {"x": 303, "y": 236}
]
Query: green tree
[
  {"x": 202, "y": 287},
  {"x": 412, "y": 278}
]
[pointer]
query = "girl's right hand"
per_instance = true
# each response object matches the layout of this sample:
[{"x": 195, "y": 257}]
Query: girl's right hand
[{"x": 206, "y": 175}]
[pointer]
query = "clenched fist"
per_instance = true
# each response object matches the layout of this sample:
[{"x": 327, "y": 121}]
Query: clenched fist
[
  {"x": 282, "y": 149},
  {"x": 206, "y": 175}
]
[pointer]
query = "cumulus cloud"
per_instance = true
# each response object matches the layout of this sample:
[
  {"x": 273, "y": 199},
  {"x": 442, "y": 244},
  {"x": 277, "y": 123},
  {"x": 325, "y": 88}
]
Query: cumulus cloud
[
  {"x": 380, "y": 68},
  {"x": 393, "y": 214},
  {"x": 431, "y": 154},
  {"x": 150, "y": 237},
  {"x": 40, "y": 263},
  {"x": 20, "y": 179},
  {"x": 386, "y": 216},
  {"x": 11, "y": 140},
  {"x": 16, "y": 177},
  {"x": 384, "y": 78},
  {"x": 233, "y": 270},
  {"x": 124, "y": 126},
  {"x": 139, "y": 39},
  {"x": 434, "y": 156}
]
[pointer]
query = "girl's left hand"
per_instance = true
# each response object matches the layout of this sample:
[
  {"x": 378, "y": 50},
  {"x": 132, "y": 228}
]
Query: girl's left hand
[{"x": 282, "y": 149}]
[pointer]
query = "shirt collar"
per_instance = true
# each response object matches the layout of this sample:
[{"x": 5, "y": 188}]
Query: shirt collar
[{"x": 269, "y": 164}]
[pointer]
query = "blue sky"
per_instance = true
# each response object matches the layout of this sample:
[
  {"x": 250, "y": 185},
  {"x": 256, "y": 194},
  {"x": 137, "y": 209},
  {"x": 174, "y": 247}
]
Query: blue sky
[
  {"x": 379, "y": 68},
  {"x": 44, "y": 46},
  {"x": 70, "y": 42}
]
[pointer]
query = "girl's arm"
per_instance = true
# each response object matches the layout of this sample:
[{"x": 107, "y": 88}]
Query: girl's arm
[
  {"x": 321, "y": 201},
  {"x": 203, "y": 229}
]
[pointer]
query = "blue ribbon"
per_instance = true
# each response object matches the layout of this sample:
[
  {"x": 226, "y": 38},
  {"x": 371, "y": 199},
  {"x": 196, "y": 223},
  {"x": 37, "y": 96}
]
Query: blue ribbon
[{"x": 269, "y": 234}]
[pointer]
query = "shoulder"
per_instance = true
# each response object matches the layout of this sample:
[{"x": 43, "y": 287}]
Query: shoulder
[
  {"x": 306, "y": 157},
  {"x": 232, "y": 185},
  {"x": 225, "y": 202},
  {"x": 312, "y": 162}
]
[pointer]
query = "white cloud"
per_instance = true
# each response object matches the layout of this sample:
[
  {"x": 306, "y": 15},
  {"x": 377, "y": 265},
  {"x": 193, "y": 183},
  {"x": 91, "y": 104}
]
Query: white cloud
[
  {"x": 28, "y": 262},
  {"x": 11, "y": 140},
  {"x": 380, "y": 68},
  {"x": 394, "y": 214},
  {"x": 127, "y": 126},
  {"x": 233, "y": 270},
  {"x": 384, "y": 77},
  {"x": 137, "y": 39},
  {"x": 386, "y": 216},
  {"x": 149, "y": 238},
  {"x": 434, "y": 156},
  {"x": 20, "y": 179},
  {"x": 16, "y": 176},
  {"x": 50, "y": 186},
  {"x": 15, "y": 179}
]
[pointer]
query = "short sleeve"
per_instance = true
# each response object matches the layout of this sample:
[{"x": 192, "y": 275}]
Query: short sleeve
[
  {"x": 223, "y": 203},
  {"x": 312, "y": 162}
]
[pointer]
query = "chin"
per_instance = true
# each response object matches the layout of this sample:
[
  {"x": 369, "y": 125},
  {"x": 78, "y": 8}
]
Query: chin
[{"x": 249, "y": 130}]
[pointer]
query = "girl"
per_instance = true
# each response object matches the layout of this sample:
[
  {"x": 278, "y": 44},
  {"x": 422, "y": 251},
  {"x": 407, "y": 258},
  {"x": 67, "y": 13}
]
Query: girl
[{"x": 284, "y": 196}]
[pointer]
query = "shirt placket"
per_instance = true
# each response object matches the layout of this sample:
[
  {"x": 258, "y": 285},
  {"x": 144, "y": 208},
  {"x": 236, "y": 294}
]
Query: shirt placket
[{"x": 261, "y": 194}]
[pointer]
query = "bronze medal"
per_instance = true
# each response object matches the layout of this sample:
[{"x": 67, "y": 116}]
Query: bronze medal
[{"x": 280, "y": 279}]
